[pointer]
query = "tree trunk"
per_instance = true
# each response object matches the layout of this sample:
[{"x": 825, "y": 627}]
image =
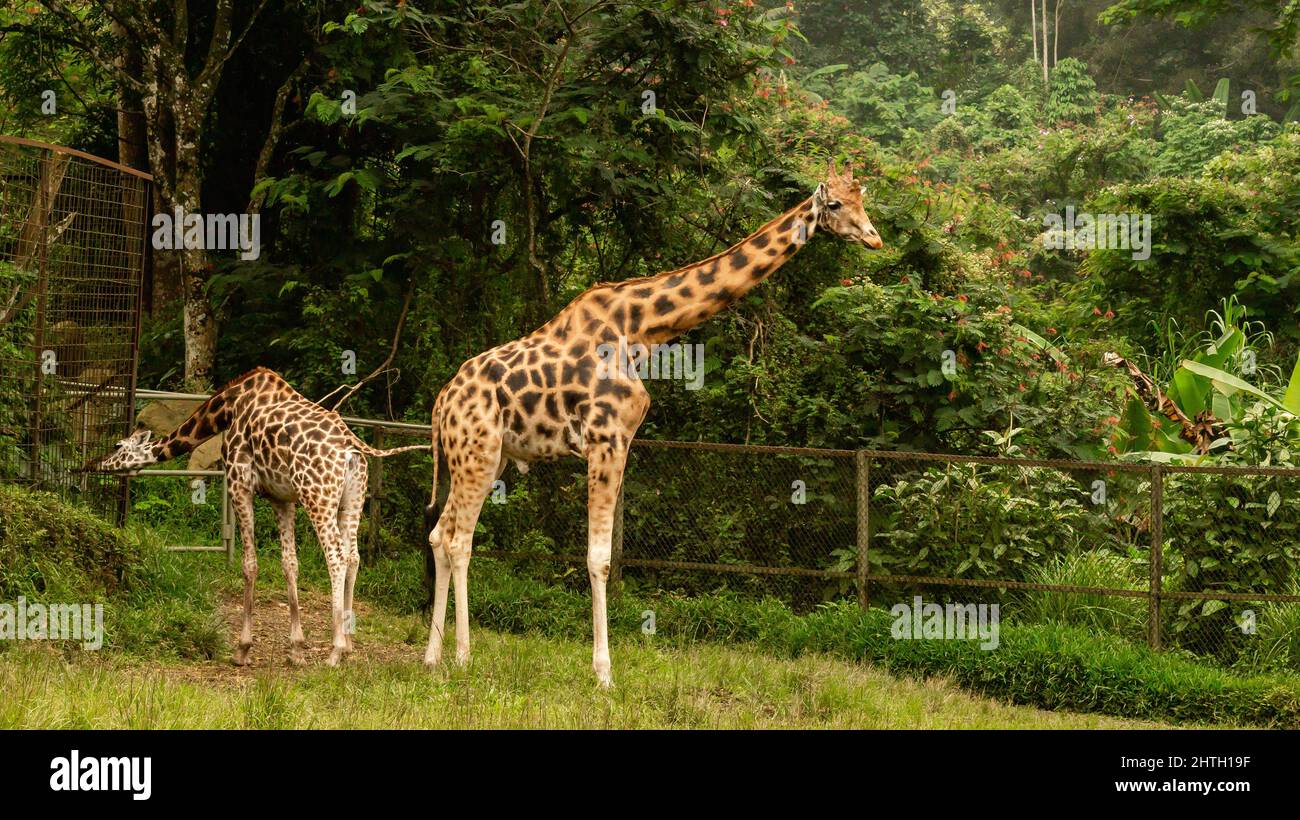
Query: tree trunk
[
  {"x": 1056, "y": 30},
  {"x": 1033, "y": 27},
  {"x": 200, "y": 324},
  {"x": 1044, "y": 16}
]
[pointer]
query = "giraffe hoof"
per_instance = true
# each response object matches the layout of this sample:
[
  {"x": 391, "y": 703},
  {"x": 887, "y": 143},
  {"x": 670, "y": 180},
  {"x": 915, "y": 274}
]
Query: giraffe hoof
[
  {"x": 297, "y": 656},
  {"x": 335, "y": 656},
  {"x": 605, "y": 682},
  {"x": 462, "y": 659},
  {"x": 241, "y": 654}
]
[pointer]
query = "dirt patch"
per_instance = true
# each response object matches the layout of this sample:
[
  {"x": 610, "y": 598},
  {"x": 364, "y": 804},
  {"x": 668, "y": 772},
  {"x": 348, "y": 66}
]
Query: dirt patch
[{"x": 271, "y": 640}]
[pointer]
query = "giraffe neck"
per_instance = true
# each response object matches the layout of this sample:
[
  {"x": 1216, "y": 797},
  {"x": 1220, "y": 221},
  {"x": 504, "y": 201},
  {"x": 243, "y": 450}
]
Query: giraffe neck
[
  {"x": 209, "y": 418},
  {"x": 666, "y": 306}
]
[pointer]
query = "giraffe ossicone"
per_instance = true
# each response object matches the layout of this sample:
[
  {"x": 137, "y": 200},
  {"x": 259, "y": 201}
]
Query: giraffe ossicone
[
  {"x": 290, "y": 450},
  {"x": 541, "y": 397}
]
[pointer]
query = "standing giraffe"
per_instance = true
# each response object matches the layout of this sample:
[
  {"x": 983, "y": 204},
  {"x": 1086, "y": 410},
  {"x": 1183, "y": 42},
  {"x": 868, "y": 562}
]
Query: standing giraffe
[
  {"x": 541, "y": 397},
  {"x": 288, "y": 449}
]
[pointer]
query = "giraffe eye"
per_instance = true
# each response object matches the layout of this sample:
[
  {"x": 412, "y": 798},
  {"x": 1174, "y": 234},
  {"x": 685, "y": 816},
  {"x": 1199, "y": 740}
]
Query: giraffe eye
[{"x": 834, "y": 206}]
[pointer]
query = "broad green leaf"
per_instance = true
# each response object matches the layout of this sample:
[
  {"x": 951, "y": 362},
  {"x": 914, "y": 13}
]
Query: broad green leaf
[
  {"x": 1212, "y": 606},
  {"x": 1136, "y": 424},
  {"x": 1221, "y": 93},
  {"x": 1230, "y": 384},
  {"x": 1291, "y": 400}
]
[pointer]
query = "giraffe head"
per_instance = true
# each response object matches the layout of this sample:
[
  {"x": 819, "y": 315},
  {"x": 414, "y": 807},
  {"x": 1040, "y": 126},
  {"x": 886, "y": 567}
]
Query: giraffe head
[
  {"x": 838, "y": 204},
  {"x": 131, "y": 453}
]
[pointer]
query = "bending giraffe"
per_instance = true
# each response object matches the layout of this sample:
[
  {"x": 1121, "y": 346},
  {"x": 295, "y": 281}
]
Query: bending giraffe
[
  {"x": 290, "y": 450},
  {"x": 550, "y": 395}
]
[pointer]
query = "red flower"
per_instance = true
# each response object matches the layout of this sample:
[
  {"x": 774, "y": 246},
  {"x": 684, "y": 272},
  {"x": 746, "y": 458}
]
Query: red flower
[
  {"x": 952, "y": 395},
  {"x": 846, "y": 282},
  {"x": 1110, "y": 314},
  {"x": 1051, "y": 331},
  {"x": 1096, "y": 311},
  {"x": 961, "y": 297}
]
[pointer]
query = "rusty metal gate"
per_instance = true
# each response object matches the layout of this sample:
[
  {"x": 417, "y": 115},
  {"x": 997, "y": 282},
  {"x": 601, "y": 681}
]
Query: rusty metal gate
[{"x": 72, "y": 255}]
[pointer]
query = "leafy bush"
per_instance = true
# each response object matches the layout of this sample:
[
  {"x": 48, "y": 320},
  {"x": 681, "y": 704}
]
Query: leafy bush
[
  {"x": 1115, "y": 615},
  {"x": 154, "y": 605},
  {"x": 1073, "y": 95},
  {"x": 970, "y": 520},
  {"x": 1196, "y": 132}
]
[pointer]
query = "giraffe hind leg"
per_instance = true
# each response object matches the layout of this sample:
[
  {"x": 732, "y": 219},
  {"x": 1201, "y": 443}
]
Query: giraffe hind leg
[
  {"x": 286, "y": 519},
  {"x": 470, "y": 485},
  {"x": 350, "y": 509},
  {"x": 323, "y": 509},
  {"x": 440, "y": 558}
]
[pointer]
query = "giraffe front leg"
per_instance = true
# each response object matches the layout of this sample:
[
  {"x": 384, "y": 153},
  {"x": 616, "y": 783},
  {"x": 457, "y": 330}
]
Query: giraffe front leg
[
  {"x": 241, "y": 495},
  {"x": 605, "y": 462},
  {"x": 284, "y": 513}
]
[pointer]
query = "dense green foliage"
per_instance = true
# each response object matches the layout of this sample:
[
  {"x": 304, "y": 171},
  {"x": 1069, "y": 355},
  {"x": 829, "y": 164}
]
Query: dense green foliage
[
  {"x": 154, "y": 605},
  {"x": 599, "y": 142}
]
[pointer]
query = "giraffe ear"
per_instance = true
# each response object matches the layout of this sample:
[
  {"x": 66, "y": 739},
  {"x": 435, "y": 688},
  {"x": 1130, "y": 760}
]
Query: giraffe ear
[
  {"x": 862, "y": 191},
  {"x": 819, "y": 195}
]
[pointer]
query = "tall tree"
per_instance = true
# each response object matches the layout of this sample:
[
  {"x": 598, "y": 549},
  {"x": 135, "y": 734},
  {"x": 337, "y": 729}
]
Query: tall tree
[{"x": 151, "y": 50}]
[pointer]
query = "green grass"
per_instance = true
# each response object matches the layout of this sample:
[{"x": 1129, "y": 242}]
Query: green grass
[
  {"x": 718, "y": 660},
  {"x": 512, "y": 682}
]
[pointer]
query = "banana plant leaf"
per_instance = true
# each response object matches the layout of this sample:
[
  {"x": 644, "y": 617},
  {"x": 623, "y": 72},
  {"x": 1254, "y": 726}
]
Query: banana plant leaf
[
  {"x": 1292, "y": 398},
  {"x": 1230, "y": 385},
  {"x": 1190, "y": 391}
]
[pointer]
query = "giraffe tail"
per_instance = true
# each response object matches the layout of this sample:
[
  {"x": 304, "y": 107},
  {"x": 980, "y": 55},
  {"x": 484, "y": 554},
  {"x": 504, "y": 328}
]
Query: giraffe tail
[{"x": 371, "y": 451}]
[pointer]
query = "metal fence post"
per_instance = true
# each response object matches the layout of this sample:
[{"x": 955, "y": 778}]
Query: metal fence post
[
  {"x": 1157, "y": 547},
  {"x": 227, "y": 524},
  {"x": 377, "y": 488},
  {"x": 864, "y": 522}
]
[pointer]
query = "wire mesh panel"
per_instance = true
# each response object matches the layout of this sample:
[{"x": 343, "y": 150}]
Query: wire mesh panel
[
  {"x": 1045, "y": 542},
  {"x": 1230, "y": 536},
  {"x": 72, "y": 249},
  {"x": 751, "y": 520}
]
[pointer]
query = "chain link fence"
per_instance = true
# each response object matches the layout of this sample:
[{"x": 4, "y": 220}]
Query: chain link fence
[
  {"x": 1047, "y": 541},
  {"x": 72, "y": 251}
]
